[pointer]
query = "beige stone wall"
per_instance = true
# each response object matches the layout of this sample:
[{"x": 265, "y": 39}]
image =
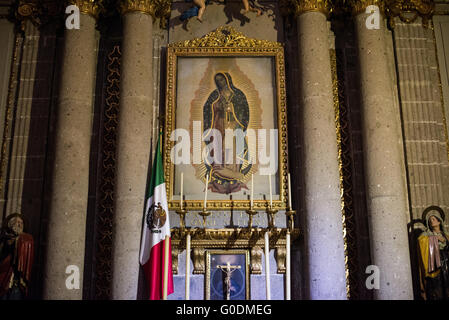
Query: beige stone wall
[{"x": 423, "y": 117}]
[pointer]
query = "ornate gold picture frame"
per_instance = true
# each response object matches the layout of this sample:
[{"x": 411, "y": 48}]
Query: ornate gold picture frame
[
  {"x": 215, "y": 287},
  {"x": 253, "y": 71}
]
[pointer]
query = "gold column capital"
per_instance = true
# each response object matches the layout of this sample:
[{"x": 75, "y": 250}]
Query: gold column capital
[
  {"x": 155, "y": 8},
  {"x": 38, "y": 12},
  {"x": 89, "y": 7},
  {"x": 144, "y": 6},
  {"x": 298, "y": 7},
  {"x": 359, "y": 6}
]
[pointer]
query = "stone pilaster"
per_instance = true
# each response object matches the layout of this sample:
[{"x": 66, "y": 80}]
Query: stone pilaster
[
  {"x": 21, "y": 128},
  {"x": 423, "y": 117},
  {"x": 68, "y": 206},
  {"x": 323, "y": 232},
  {"x": 133, "y": 146},
  {"x": 9, "y": 66},
  {"x": 383, "y": 158}
]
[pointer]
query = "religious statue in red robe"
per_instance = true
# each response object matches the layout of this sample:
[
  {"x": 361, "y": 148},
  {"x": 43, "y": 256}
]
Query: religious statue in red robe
[{"x": 16, "y": 258}]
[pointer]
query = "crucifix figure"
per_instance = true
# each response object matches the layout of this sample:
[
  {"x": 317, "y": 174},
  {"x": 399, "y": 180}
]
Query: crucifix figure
[{"x": 228, "y": 269}]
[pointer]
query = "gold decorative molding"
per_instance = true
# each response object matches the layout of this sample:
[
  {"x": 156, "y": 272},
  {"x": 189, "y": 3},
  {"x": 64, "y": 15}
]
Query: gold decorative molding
[
  {"x": 359, "y": 6},
  {"x": 344, "y": 165},
  {"x": 409, "y": 10},
  {"x": 89, "y": 7},
  {"x": 226, "y": 37},
  {"x": 256, "y": 260},
  {"x": 298, "y": 7}
]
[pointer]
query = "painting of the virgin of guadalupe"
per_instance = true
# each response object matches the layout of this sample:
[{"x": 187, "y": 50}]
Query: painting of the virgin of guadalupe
[
  {"x": 226, "y": 111},
  {"x": 222, "y": 118}
]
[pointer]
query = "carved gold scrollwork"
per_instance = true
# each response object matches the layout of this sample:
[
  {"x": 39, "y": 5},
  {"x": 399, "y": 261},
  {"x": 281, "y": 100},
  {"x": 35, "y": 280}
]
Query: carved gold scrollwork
[
  {"x": 409, "y": 10},
  {"x": 256, "y": 260},
  {"x": 226, "y": 37}
]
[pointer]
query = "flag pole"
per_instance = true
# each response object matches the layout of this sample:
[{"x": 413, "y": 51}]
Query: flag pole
[
  {"x": 267, "y": 265},
  {"x": 165, "y": 283},
  {"x": 188, "y": 266}
]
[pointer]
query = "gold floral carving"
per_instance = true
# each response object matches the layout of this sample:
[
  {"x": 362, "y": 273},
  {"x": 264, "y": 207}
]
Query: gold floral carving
[
  {"x": 298, "y": 7},
  {"x": 409, "y": 10}
]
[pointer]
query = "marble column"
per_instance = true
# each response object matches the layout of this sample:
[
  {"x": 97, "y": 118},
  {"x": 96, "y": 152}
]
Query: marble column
[
  {"x": 383, "y": 159},
  {"x": 68, "y": 203},
  {"x": 323, "y": 232},
  {"x": 133, "y": 145}
]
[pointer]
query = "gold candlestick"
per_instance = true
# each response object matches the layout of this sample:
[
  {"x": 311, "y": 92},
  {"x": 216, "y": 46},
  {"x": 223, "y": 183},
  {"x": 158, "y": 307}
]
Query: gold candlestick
[
  {"x": 290, "y": 216},
  {"x": 250, "y": 212},
  {"x": 204, "y": 214},
  {"x": 271, "y": 213},
  {"x": 182, "y": 216}
]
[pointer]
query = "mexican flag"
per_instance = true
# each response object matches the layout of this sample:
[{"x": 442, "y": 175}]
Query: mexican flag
[{"x": 156, "y": 227}]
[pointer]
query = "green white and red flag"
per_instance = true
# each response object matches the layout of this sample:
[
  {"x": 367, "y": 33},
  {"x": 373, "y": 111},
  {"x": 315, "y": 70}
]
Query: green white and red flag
[{"x": 155, "y": 229}]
